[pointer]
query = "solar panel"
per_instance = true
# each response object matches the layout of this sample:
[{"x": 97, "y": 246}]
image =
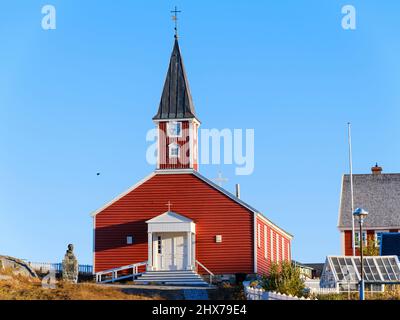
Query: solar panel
[
  {"x": 396, "y": 267},
  {"x": 377, "y": 269},
  {"x": 374, "y": 270}
]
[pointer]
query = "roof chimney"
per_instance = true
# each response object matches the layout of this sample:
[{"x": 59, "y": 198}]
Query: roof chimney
[
  {"x": 377, "y": 169},
  {"x": 238, "y": 191}
]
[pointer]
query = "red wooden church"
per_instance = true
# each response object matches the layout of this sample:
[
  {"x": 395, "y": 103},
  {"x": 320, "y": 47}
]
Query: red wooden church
[{"x": 208, "y": 231}]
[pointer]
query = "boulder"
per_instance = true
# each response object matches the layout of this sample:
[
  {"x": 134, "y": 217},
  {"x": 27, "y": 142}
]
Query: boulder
[{"x": 16, "y": 266}]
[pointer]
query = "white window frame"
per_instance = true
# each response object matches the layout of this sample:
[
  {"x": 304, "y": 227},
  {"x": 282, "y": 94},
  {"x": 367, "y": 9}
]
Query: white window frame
[
  {"x": 365, "y": 239},
  {"x": 283, "y": 248},
  {"x": 170, "y": 147},
  {"x": 265, "y": 243},
  {"x": 259, "y": 235},
  {"x": 174, "y": 123},
  {"x": 278, "y": 248},
  {"x": 376, "y": 236}
]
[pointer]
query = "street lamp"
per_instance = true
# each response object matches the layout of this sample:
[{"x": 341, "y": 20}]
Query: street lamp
[{"x": 361, "y": 214}]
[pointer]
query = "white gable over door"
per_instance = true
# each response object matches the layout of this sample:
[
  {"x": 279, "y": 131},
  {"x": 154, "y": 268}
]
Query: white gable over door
[{"x": 171, "y": 222}]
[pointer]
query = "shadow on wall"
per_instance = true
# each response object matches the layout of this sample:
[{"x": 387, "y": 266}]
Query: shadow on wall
[{"x": 115, "y": 236}]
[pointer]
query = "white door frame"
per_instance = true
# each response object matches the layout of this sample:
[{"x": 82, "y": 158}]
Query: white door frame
[{"x": 167, "y": 223}]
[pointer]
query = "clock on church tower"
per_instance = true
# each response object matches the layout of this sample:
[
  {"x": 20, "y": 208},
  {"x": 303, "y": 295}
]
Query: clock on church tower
[{"x": 176, "y": 119}]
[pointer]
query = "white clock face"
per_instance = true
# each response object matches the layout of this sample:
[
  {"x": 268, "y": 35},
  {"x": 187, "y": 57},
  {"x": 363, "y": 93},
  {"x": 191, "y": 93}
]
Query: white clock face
[{"x": 174, "y": 129}]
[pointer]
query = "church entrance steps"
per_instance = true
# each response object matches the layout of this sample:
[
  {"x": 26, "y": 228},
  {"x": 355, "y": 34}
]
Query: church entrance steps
[{"x": 183, "y": 278}]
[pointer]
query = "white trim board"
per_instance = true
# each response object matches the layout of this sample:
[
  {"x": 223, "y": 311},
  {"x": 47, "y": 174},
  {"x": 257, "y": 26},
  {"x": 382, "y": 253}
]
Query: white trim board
[
  {"x": 274, "y": 226},
  {"x": 123, "y": 194},
  {"x": 340, "y": 201}
]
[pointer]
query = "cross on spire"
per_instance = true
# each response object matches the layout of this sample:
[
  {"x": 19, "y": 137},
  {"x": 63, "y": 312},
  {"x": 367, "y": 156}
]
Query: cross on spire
[
  {"x": 220, "y": 179},
  {"x": 169, "y": 206},
  {"x": 175, "y": 18}
]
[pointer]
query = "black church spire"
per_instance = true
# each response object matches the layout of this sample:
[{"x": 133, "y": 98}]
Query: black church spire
[{"x": 176, "y": 100}]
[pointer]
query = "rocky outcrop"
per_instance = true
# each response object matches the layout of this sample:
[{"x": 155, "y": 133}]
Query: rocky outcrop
[{"x": 16, "y": 266}]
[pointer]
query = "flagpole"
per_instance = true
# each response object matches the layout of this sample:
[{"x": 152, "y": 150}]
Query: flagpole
[{"x": 351, "y": 191}]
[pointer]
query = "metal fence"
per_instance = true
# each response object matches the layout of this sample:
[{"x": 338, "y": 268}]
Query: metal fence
[{"x": 45, "y": 267}]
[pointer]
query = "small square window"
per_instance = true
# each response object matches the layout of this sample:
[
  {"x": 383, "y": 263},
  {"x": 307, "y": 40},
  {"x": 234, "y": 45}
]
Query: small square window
[
  {"x": 218, "y": 238},
  {"x": 129, "y": 239},
  {"x": 174, "y": 150}
]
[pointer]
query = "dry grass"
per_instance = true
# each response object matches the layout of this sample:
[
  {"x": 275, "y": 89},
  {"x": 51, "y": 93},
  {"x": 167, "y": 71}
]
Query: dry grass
[
  {"x": 389, "y": 294},
  {"x": 23, "y": 288}
]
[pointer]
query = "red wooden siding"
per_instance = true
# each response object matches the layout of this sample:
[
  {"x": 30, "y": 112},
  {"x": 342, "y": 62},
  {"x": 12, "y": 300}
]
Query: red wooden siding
[
  {"x": 264, "y": 263},
  {"x": 183, "y": 162},
  {"x": 348, "y": 250},
  {"x": 213, "y": 212}
]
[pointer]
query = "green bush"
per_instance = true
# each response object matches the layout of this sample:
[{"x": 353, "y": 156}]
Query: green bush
[{"x": 284, "y": 278}]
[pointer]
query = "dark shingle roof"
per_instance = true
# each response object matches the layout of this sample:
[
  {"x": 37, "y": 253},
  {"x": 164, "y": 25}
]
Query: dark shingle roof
[
  {"x": 379, "y": 194},
  {"x": 176, "y": 100}
]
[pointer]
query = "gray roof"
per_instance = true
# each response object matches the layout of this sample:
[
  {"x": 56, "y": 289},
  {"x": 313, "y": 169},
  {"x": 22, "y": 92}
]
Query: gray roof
[
  {"x": 379, "y": 194},
  {"x": 176, "y": 100}
]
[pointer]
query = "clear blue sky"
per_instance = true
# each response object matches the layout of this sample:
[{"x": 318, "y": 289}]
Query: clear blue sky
[{"x": 79, "y": 100}]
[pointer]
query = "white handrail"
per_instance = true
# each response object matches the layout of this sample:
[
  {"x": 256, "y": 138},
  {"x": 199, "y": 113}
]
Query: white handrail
[
  {"x": 205, "y": 268},
  {"x": 114, "y": 272}
]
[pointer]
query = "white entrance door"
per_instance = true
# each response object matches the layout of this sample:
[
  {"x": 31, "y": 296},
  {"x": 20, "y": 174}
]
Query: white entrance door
[{"x": 171, "y": 251}]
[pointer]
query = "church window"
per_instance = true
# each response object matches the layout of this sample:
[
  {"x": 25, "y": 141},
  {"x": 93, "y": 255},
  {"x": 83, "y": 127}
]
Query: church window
[{"x": 173, "y": 150}]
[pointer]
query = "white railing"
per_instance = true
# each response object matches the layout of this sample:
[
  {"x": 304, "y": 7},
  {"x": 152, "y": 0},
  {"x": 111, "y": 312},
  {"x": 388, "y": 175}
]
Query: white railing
[
  {"x": 112, "y": 275},
  {"x": 261, "y": 294},
  {"x": 211, "y": 275}
]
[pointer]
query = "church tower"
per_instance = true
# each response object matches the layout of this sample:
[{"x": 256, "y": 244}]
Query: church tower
[{"x": 176, "y": 119}]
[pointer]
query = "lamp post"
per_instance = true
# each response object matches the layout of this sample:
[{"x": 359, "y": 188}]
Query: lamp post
[{"x": 361, "y": 214}]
